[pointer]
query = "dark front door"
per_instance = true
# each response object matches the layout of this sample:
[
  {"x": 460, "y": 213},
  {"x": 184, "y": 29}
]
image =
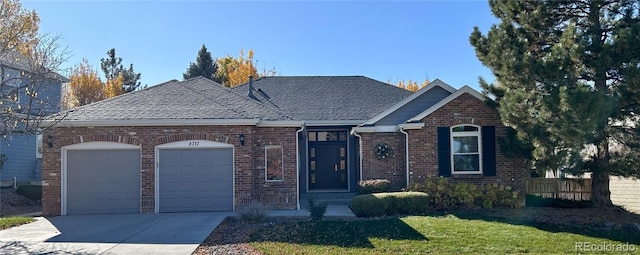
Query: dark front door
[{"x": 328, "y": 161}]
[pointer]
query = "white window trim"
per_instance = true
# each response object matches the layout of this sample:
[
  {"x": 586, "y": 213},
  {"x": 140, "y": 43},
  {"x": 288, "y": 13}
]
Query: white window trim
[
  {"x": 39, "y": 144},
  {"x": 266, "y": 163},
  {"x": 463, "y": 134}
]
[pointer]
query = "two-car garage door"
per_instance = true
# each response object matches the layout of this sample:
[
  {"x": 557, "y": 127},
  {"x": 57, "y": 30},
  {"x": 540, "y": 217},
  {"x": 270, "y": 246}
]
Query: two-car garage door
[{"x": 105, "y": 178}]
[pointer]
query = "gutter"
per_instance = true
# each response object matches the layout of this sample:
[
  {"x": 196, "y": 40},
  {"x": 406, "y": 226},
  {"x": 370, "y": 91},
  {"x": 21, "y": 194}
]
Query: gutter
[
  {"x": 354, "y": 132},
  {"x": 298, "y": 132},
  {"x": 406, "y": 153}
]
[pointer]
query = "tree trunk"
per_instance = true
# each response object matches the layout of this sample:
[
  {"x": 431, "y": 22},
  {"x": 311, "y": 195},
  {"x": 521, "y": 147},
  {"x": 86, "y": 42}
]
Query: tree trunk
[{"x": 600, "y": 194}]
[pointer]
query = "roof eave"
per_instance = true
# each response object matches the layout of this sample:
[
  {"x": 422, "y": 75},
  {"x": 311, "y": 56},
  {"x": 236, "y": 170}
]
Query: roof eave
[{"x": 154, "y": 122}]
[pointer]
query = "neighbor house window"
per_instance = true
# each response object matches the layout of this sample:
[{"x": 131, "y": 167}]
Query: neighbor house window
[
  {"x": 466, "y": 149},
  {"x": 39, "y": 145},
  {"x": 273, "y": 163}
]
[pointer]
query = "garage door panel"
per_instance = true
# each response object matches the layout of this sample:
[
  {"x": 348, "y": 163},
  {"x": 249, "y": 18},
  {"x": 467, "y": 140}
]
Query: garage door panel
[
  {"x": 103, "y": 181},
  {"x": 196, "y": 179}
]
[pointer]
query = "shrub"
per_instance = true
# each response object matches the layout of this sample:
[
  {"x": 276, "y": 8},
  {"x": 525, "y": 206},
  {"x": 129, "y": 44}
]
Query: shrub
[
  {"x": 444, "y": 195},
  {"x": 316, "y": 210},
  {"x": 33, "y": 192},
  {"x": 467, "y": 195},
  {"x": 374, "y": 186},
  {"x": 379, "y": 204},
  {"x": 409, "y": 202},
  {"x": 254, "y": 213},
  {"x": 538, "y": 201}
]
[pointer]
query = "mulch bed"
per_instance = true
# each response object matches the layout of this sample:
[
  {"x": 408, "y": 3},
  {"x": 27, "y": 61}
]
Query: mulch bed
[
  {"x": 13, "y": 204},
  {"x": 232, "y": 235}
]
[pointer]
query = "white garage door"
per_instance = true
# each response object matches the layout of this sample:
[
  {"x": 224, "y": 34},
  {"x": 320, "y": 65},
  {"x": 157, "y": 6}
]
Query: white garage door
[
  {"x": 195, "y": 179},
  {"x": 102, "y": 181}
]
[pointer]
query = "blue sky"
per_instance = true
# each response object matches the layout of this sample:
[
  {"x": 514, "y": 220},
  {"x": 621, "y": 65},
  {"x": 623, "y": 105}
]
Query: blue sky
[{"x": 387, "y": 41}]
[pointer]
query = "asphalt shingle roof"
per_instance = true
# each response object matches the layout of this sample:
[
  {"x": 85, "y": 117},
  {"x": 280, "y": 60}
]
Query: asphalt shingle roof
[
  {"x": 196, "y": 98},
  {"x": 325, "y": 97}
]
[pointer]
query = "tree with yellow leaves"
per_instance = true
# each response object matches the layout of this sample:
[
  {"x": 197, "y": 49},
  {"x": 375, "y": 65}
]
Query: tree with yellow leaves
[
  {"x": 85, "y": 86},
  {"x": 235, "y": 71},
  {"x": 412, "y": 85}
]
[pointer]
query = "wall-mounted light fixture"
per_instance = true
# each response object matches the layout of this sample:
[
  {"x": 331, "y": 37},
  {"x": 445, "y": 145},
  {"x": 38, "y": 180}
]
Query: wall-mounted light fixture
[
  {"x": 50, "y": 141},
  {"x": 242, "y": 139}
]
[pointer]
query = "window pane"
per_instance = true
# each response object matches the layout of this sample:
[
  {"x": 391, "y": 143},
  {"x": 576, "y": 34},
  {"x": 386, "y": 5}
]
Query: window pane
[
  {"x": 274, "y": 163},
  {"x": 466, "y": 162},
  {"x": 465, "y": 144},
  {"x": 312, "y": 136},
  {"x": 465, "y": 129},
  {"x": 342, "y": 136}
]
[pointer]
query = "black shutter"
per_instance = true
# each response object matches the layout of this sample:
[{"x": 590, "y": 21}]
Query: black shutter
[
  {"x": 444, "y": 152},
  {"x": 489, "y": 150}
]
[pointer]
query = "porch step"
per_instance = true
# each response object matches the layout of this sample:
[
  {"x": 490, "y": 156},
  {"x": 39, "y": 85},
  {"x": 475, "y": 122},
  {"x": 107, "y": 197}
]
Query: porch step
[{"x": 333, "y": 198}]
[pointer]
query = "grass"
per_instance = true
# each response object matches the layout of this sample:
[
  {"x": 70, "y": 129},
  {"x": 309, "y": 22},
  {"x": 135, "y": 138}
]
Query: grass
[
  {"x": 9, "y": 222},
  {"x": 427, "y": 234}
]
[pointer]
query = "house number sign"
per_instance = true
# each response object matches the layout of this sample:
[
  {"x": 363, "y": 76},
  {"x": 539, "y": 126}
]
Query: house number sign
[{"x": 194, "y": 144}]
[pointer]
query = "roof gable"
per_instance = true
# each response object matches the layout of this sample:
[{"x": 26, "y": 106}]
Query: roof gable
[
  {"x": 335, "y": 99},
  {"x": 435, "y": 87},
  {"x": 458, "y": 93}
]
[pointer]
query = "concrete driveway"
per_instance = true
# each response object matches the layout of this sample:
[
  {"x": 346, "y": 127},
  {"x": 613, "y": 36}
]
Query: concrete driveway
[{"x": 165, "y": 233}]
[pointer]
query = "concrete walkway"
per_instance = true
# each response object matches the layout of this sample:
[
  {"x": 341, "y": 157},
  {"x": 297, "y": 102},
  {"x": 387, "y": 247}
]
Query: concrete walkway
[
  {"x": 165, "y": 233},
  {"x": 339, "y": 211}
]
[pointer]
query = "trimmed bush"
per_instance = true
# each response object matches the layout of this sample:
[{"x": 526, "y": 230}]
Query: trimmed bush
[
  {"x": 255, "y": 212},
  {"x": 538, "y": 201},
  {"x": 374, "y": 186},
  {"x": 33, "y": 192},
  {"x": 379, "y": 204}
]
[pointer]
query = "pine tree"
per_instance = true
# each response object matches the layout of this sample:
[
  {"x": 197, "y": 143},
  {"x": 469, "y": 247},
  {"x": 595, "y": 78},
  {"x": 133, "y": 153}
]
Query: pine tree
[
  {"x": 112, "y": 68},
  {"x": 204, "y": 66},
  {"x": 567, "y": 80}
]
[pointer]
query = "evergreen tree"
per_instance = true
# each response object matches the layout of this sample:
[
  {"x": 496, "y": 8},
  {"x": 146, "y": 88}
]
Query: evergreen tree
[
  {"x": 567, "y": 80},
  {"x": 112, "y": 68},
  {"x": 204, "y": 66}
]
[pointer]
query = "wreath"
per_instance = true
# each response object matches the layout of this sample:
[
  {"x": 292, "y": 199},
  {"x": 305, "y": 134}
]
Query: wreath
[{"x": 383, "y": 150}]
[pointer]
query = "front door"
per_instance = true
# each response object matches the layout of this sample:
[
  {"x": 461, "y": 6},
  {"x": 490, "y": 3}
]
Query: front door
[{"x": 328, "y": 160}]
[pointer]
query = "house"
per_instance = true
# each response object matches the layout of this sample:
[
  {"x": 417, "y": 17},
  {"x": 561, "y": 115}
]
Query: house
[
  {"x": 28, "y": 92},
  {"x": 195, "y": 145}
]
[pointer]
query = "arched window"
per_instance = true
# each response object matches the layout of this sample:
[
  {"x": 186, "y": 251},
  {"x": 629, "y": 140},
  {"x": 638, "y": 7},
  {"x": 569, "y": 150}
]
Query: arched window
[{"x": 466, "y": 149}]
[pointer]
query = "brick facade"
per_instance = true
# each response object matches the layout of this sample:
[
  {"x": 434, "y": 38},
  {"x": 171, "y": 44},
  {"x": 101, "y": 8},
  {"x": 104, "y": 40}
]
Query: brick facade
[
  {"x": 249, "y": 173},
  {"x": 466, "y": 109},
  {"x": 392, "y": 169}
]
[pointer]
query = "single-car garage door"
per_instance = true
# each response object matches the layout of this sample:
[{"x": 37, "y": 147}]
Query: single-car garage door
[
  {"x": 195, "y": 179},
  {"x": 102, "y": 181}
]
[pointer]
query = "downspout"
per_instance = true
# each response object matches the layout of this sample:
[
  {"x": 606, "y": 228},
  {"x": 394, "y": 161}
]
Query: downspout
[
  {"x": 355, "y": 133},
  {"x": 406, "y": 153},
  {"x": 298, "y": 132}
]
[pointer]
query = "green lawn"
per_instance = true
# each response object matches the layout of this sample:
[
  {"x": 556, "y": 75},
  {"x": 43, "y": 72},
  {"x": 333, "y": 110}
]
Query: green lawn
[
  {"x": 14, "y": 221},
  {"x": 428, "y": 234}
]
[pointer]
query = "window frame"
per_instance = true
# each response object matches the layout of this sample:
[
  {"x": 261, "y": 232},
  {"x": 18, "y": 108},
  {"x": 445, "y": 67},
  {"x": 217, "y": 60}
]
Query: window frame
[
  {"x": 452, "y": 154},
  {"x": 266, "y": 163},
  {"x": 39, "y": 144}
]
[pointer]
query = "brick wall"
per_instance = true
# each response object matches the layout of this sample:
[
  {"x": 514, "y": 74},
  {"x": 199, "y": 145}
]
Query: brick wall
[
  {"x": 392, "y": 169},
  {"x": 248, "y": 159},
  {"x": 466, "y": 109}
]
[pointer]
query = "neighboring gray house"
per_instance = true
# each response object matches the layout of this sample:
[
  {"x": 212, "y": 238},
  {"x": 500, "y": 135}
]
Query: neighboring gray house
[{"x": 26, "y": 92}]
